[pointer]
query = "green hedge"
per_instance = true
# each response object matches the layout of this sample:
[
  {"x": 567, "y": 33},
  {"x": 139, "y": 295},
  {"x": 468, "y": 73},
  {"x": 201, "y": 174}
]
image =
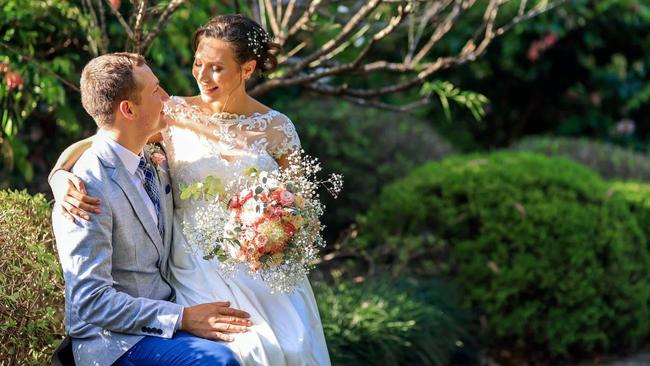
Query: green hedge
[
  {"x": 541, "y": 247},
  {"x": 31, "y": 284},
  {"x": 388, "y": 322},
  {"x": 610, "y": 161}
]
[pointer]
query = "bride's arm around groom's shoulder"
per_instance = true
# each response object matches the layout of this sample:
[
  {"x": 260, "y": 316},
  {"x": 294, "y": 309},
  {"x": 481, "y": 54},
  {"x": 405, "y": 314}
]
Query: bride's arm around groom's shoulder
[{"x": 69, "y": 190}]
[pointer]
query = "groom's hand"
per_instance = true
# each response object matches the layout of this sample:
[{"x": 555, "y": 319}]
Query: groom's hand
[{"x": 214, "y": 320}]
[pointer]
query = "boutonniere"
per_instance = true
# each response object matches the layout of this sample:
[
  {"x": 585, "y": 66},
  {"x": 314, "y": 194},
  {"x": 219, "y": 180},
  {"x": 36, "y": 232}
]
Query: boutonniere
[{"x": 156, "y": 155}]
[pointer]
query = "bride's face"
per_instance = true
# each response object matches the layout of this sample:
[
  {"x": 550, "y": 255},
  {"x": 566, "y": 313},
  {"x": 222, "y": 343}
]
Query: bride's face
[{"x": 216, "y": 70}]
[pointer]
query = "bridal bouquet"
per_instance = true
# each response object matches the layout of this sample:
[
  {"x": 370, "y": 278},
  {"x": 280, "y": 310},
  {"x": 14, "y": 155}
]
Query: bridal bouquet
[{"x": 270, "y": 222}]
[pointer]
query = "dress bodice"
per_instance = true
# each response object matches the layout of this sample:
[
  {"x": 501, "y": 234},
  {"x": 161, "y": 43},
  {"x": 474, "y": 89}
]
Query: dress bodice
[{"x": 222, "y": 145}]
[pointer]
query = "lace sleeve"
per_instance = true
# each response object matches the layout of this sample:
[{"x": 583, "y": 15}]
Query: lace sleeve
[{"x": 282, "y": 137}]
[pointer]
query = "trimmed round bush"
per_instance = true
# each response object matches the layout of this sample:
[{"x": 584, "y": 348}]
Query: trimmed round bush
[
  {"x": 542, "y": 248},
  {"x": 388, "y": 322},
  {"x": 31, "y": 283},
  {"x": 637, "y": 195},
  {"x": 610, "y": 161}
]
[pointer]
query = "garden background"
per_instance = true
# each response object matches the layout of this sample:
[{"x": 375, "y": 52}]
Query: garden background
[{"x": 496, "y": 208}]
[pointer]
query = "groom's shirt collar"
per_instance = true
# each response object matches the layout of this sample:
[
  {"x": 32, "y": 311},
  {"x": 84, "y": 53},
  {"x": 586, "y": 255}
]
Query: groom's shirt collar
[
  {"x": 131, "y": 162},
  {"x": 128, "y": 158}
]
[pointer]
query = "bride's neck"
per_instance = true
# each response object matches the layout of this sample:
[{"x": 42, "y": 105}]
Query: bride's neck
[{"x": 238, "y": 103}]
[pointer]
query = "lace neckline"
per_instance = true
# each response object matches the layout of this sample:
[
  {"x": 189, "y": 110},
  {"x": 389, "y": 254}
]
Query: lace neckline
[{"x": 226, "y": 116}]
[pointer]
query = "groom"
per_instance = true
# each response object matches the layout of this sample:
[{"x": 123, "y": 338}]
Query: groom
[{"x": 119, "y": 308}]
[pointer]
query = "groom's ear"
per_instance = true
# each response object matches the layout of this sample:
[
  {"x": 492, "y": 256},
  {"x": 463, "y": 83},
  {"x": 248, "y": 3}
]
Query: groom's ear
[{"x": 125, "y": 109}]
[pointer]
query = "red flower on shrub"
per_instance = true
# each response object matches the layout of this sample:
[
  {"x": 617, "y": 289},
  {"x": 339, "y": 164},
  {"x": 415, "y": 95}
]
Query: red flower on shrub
[
  {"x": 13, "y": 79},
  {"x": 538, "y": 47}
]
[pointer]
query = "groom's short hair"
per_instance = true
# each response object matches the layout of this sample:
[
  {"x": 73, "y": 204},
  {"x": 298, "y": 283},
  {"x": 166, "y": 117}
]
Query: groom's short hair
[{"x": 106, "y": 81}]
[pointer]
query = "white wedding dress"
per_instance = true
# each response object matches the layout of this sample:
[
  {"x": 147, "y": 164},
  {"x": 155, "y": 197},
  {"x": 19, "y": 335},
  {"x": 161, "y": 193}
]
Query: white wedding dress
[{"x": 287, "y": 328}]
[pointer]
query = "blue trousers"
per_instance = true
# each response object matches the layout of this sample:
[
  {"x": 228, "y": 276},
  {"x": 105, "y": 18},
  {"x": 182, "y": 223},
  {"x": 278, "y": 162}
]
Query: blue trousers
[{"x": 183, "y": 349}]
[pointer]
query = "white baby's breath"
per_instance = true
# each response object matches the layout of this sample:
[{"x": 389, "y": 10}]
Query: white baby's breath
[{"x": 217, "y": 232}]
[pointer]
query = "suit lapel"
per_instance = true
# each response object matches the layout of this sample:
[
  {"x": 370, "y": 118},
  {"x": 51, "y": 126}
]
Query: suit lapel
[{"x": 121, "y": 177}]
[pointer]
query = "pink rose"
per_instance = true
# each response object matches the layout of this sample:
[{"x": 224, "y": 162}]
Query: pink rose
[
  {"x": 261, "y": 240},
  {"x": 286, "y": 198},
  {"x": 249, "y": 234},
  {"x": 157, "y": 158},
  {"x": 234, "y": 203}
]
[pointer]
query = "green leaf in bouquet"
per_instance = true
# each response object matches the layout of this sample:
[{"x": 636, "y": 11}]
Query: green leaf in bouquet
[
  {"x": 251, "y": 171},
  {"x": 222, "y": 256},
  {"x": 213, "y": 187},
  {"x": 189, "y": 191},
  {"x": 259, "y": 190},
  {"x": 291, "y": 187}
]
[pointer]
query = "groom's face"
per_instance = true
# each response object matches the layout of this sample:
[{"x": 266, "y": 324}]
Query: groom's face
[{"x": 149, "y": 111}]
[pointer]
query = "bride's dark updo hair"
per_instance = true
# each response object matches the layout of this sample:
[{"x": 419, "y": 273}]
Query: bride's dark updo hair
[{"x": 248, "y": 40}]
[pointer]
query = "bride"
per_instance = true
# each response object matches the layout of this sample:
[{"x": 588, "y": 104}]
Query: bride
[{"x": 222, "y": 132}]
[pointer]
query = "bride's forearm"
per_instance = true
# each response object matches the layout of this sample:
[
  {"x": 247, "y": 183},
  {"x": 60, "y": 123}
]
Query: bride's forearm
[
  {"x": 155, "y": 138},
  {"x": 70, "y": 155}
]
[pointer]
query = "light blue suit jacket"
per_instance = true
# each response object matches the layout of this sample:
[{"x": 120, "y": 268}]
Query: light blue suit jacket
[{"x": 115, "y": 265}]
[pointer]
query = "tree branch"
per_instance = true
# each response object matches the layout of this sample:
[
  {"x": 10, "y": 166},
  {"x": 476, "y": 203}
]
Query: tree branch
[
  {"x": 408, "y": 108},
  {"x": 121, "y": 19},
  {"x": 272, "y": 19},
  {"x": 142, "y": 6},
  {"x": 287, "y": 17},
  {"x": 430, "y": 15},
  {"x": 442, "y": 29},
  {"x": 164, "y": 18},
  {"x": 40, "y": 67},
  {"x": 304, "y": 18},
  {"x": 345, "y": 32}
]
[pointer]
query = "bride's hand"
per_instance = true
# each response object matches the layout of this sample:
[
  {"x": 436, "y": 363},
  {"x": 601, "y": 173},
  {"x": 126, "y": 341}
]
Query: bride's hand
[{"x": 70, "y": 193}]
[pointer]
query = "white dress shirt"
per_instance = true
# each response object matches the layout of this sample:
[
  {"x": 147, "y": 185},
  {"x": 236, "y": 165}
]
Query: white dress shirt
[{"x": 131, "y": 162}]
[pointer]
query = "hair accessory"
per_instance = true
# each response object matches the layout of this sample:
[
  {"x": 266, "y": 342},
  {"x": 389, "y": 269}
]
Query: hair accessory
[{"x": 256, "y": 41}]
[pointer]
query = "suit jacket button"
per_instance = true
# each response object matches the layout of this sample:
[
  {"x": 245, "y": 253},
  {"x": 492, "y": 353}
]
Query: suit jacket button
[
  {"x": 160, "y": 332},
  {"x": 168, "y": 189}
]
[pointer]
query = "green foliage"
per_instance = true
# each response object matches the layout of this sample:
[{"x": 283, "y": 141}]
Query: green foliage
[
  {"x": 541, "y": 247},
  {"x": 39, "y": 40},
  {"x": 387, "y": 322},
  {"x": 576, "y": 71},
  {"x": 43, "y": 39},
  {"x": 369, "y": 147},
  {"x": 31, "y": 283},
  {"x": 209, "y": 189},
  {"x": 610, "y": 161},
  {"x": 446, "y": 91}
]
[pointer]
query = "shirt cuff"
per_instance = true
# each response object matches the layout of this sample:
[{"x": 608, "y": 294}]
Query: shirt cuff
[{"x": 179, "y": 322}]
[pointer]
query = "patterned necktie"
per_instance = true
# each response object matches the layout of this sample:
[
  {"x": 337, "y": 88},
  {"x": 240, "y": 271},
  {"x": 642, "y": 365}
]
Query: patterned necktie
[{"x": 152, "y": 190}]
